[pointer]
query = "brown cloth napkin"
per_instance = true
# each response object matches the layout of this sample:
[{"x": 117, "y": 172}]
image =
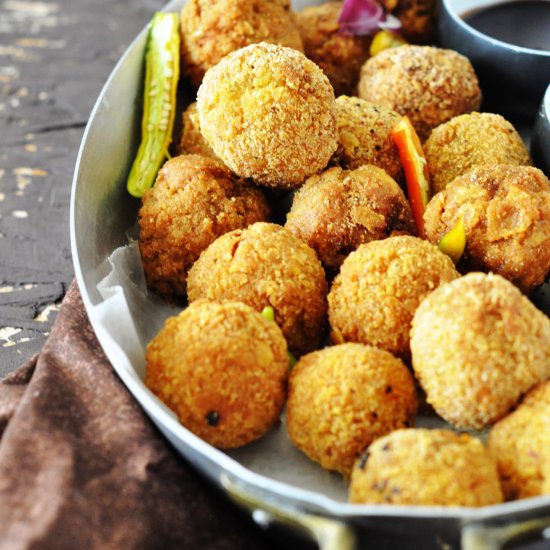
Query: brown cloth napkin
[{"x": 82, "y": 467}]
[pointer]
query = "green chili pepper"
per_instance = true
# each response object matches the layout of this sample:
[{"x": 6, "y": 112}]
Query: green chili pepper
[{"x": 159, "y": 101}]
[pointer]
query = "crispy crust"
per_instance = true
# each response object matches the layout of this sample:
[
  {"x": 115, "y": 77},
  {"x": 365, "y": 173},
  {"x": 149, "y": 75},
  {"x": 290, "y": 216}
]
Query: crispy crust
[{"x": 192, "y": 141}]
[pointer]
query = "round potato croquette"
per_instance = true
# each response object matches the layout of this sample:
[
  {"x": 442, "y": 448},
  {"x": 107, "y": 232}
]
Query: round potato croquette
[
  {"x": 474, "y": 139},
  {"x": 506, "y": 215},
  {"x": 379, "y": 287},
  {"x": 269, "y": 113},
  {"x": 266, "y": 265},
  {"x": 429, "y": 85},
  {"x": 418, "y": 18},
  {"x": 192, "y": 141},
  {"x": 194, "y": 200},
  {"x": 339, "y": 210},
  {"x": 211, "y": 29},
  {"x": 340, "y": 56},
  {"x": 426, "y": 468},
  {"x": 223, "y": 369},
  {"x": 342, "y": 398},
  {"x": 520, "y": 443},
  {"x": 364, "y": 136},
  {"x": 478, "y": 345}
]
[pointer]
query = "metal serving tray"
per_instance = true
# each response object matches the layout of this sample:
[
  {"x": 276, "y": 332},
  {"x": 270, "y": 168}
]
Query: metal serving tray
[{"x": 302, "y": 497}]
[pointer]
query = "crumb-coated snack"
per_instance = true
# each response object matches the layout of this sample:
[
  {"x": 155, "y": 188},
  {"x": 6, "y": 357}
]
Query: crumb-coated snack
[
  {"x": 379, "y": 287},
  {"x": 342, "y": 398},
  {"x": 478, "y": 344},
  {"x": 506, "y": 215},
  {"x": 469, "y": 140},
  {"x": 269, "y": 113},
  {"x": 223, "y": 369},
  {"x": 364, "y": 136},
  {"x": 192, "y": 141},
  {"x": 211, "y": 29},
  {"x": 266, "y": 265},
  {"x": 340, "y": 56},
  {"x": 338, "y": 210},
  {"x": 430, "y": 85},
  {"x": 420, "y": 467},
  {"x": 194, "y": 200},
  {"x": 418, "y": 18},
  {"x": 520, "y": 443}
]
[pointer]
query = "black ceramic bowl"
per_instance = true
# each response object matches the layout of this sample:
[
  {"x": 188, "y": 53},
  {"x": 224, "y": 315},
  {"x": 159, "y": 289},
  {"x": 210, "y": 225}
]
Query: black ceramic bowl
[{"x": 540, "y": 140}]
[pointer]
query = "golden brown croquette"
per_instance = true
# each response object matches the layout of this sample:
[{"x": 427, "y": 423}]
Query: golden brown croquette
[
  {"x": 340, "y": 56},
  {"x": 474, "y": 139},
  {"x": 342, "y": 398},
  {"x": 506, "y": 214},
  {"x": 520, "y": 443},
  {"x": 222, "y": 368},
  {"x": 211, "y": 29},
  {"x": 429, "y": 85},
  {"x": 338, "y": 210},
  {"x": 266, "y": 265},
  {"x": 477, "y": 346},
  {"x": 194, "y": 200},
  {"x": 379, "y": 287},
  {"x": 426, "y": 468},
  {"x": 192, "y": 141},
  {"x": 269, "y": 113}
]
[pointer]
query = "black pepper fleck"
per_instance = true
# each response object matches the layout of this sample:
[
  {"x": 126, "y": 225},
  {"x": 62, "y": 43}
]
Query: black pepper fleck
[
  {"x": 213, "y": 418},
  {"x": 389, "y": 389},
  {"x": 363, "y": 460}
]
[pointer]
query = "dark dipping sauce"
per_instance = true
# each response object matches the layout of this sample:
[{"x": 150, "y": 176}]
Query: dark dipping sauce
[{"x": 522, "y": 23}]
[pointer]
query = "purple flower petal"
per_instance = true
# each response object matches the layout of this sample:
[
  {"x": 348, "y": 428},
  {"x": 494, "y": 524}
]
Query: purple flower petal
[{"x": 364, "y": 17}]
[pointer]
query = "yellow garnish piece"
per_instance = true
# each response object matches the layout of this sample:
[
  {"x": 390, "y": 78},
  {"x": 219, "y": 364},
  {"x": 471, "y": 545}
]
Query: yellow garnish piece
[
  {"x": 453, "y": 242},
  {"x": 385, "y": 39}
]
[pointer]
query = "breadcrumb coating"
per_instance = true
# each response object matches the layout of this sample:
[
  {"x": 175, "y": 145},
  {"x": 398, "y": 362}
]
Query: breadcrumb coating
[
  {"x": 520, "y": 443},
  {"x": 223, "y": 369},
  {"x": 340, "y": 56},
  {"x": 474, "y": 139},
  {"x": 194, "y": 200},
  {"x": 429, "y": 85},
  {"x": 211, "y": 29},
  {"x": 477, "y": 346},
  {"x": 342, "y": 398},
  {"x": 379, "y": 287},
  {"x": 269, "y": 113},
  {"x": 426, "y": 468},
  {"x": 192, "y": 141},
  {"x": 266, "y": 265},
  {"x": 506, "y": 214},
  {"x": 364, "y": 136},
  {"x": 338, "y": 210}
]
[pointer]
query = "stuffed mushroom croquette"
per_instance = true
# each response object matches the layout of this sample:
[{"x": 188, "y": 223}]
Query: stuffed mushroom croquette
[
  {"x": 222, "y": 368},
  {"x": 520, "y": 443},
  {"x": 506, "y": 215},
  {"x": 470, "y": 140},
  {"x": 342, "y": 398},
  {"x": 429, "y": 85},
  {"x": 211, "y": 29},
  {"x": 194, "y": 200},
  {"x": 477, "y": 346},
  {"x": 266, "y": 265},
  {"x": 379, "y": 287},
  {"x": 192, "y": 141},
  {"x": 340, "y": 56},
  {"x": 269, "y": 113},
  {"x": 427, "y": 468},
  {"x": 364, "y": 136},
  {"x": 338, "y": 210}
]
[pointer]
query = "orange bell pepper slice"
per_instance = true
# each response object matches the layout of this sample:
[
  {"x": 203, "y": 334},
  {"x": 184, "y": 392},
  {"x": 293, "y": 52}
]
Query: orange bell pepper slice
[{"x": 416, "y": 169}]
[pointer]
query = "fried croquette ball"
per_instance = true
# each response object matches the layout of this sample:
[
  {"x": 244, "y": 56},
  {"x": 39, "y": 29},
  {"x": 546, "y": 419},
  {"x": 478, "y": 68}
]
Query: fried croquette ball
[
  {"x": 269, "y": 113},
  {"x": 192, "y": 141},
  {"x": 342, "y": 398},
  {"x": 426, "y": 468},
  {"x": 338, "y": 210},
  {"x": 340, "y": 56},
  {"x": 223, "y": 369},
  {"x": 506, "y": 214},
  {"x": 266, "y": 265},
  {"x": 194, "y": 200},
  {"x": 418, "y": 18},
  {"x": 478, "y": 344},
  {"x": 379, "y": 287},
  {"x": 520, "y": 443},
  {"x": 364, "y": 136},
  {"x": 470, "y": 140},
  {"x": 429, "y": 85},
  {"x": 211, "y": 29}
]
